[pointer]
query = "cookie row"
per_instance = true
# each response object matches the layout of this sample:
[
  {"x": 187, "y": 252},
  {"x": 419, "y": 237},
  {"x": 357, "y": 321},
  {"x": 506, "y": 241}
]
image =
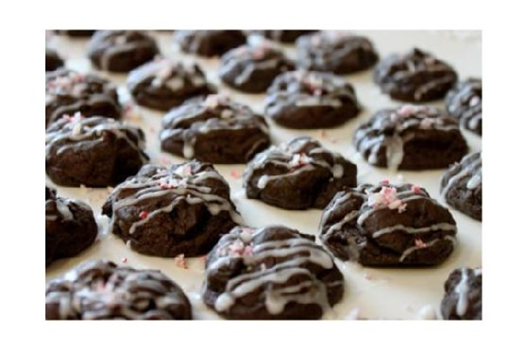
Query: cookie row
[{"x": 416, "y": 76}]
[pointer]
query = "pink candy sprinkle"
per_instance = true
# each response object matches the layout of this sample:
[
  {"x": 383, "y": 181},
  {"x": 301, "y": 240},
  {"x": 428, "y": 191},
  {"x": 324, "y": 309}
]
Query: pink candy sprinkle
[
  {"x": 385, "y": 182},
  {"x": 427, "y": 123},
  {"x": 143, "y": 215},
  {"x": 235, "y": 174},
  {"x": 258, "y": 53},
  {"x": 181, "y": 262},
  {"x": 299, "y": 160},
  {"x": 239, "y": 249},
  {"x": 124, "y": 260},
  {"x": 419, "y": 243},
  {"x": 416, "y": 189},
  {"x": 387, "y": 198}
]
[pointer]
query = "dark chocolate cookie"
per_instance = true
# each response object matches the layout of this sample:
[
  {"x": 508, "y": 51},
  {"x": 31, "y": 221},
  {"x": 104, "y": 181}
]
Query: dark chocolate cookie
[
  {"x": 311, "y": 100},
  {"x": 388, "y": 225},
  {"x": 300, "y": 174},
  {"x": 163, "y": 84},
  {"x": 76, "y": 33},
  {"x": 271, "y": 273},
  {"x": 462, "y": 300},
  {"x": 464, "y": 103},
  {"x": 93, "y": 151},
  {"x": 70, "y": 227},
  {"x": 411, "y": 138},
  {"x": 101, "y": 290},
  {"x": 214, "y": 129},
  {"x": 252, "y": 68},
  {"x": 339, "y": 52},
  {"x": 416, "y": 76},
  {"x": 283, "y": 36},
  {"x": 121, "y": 50},
  {"x": 209, "y": 43},
  {"x": 68, "y": 92},
  {"x": 170, "y": 211},
  {"x": 53, "y": 60},
  {"x": 461, "y": 186}
]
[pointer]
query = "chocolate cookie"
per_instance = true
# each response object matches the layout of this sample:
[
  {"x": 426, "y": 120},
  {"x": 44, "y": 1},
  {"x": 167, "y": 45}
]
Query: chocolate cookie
[
  {"x": 170, "y": 211},
  {"x": 300, "y": 174},
  {"x": 252, "y": 68},
  {"x": 70, "y": 227},
  {"x": 209, "y": 43},
  {"x": 76, "y": 33},
  {"x": 388, "y": 225},
  {"x": 283, "y": 36},
  {"x": 214, "y": 129},
  {"x": 163, "y": 84},
  {"x": 311, "y": 100},
  {"x": 121, "y": 50},
  {"x": 101, "y": 290},
  {"x": 271, "y": 273},
  {"x": 53, "y": 60},
  {"x": 462, "y": 300},
  {"x": 416, "y": 76},
  {"x": 68, "y": 92},
  {"x": 464, "y": 103},
  {"x": 93, "y": 151},
  {"x": 411, "y": 138},
  {"x": 339, "y": 52},
  {"x": 461, "y": 186}
]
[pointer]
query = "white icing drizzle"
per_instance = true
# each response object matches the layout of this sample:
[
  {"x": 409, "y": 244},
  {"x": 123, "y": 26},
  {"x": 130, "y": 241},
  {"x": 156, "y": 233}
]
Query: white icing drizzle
[
  {"x": 374, "y": 199},
  {"x": 443, "y": 226},
  {"x": 75, "y": 131},
  {"x": 296, "y": 158},
  {"x": 462, "y": 290},
  {"x": 179, "y": 183},
  {"x": 465, "y": 103},
  {"x": 63, "y": 208},
  {"x": 425, "y": 245},
  {"x": 167, "y": 73},
  {"x": 252, "y": 57},
  {"x": 305, "y": 89},
  {"x": 298, "y": 251},
  {"x": 210, "y": 114},
  {"x": 99, "y": 289},
  {"x": 375, "y": 135},
  {"x": 468, "y": 170}
]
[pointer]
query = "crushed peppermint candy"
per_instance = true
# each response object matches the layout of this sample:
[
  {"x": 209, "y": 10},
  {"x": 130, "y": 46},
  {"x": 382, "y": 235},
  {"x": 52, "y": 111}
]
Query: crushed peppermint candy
[
  {"x": 235, "y": 174},
  {"x": 299, "y": 160},
  {"x": 386, "y": 198},
  {"x": 131, "y": 112},
  {"x": 180, "y": 261},
  {"x": 143, "y": 215},
  {"x": 237, "y": 249},
  {"x": 65, "y": 84},
  {"x": 416, "y": 189},
  {"x": 419, "y": 243},
  {"x": 409, "y": 110}
]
